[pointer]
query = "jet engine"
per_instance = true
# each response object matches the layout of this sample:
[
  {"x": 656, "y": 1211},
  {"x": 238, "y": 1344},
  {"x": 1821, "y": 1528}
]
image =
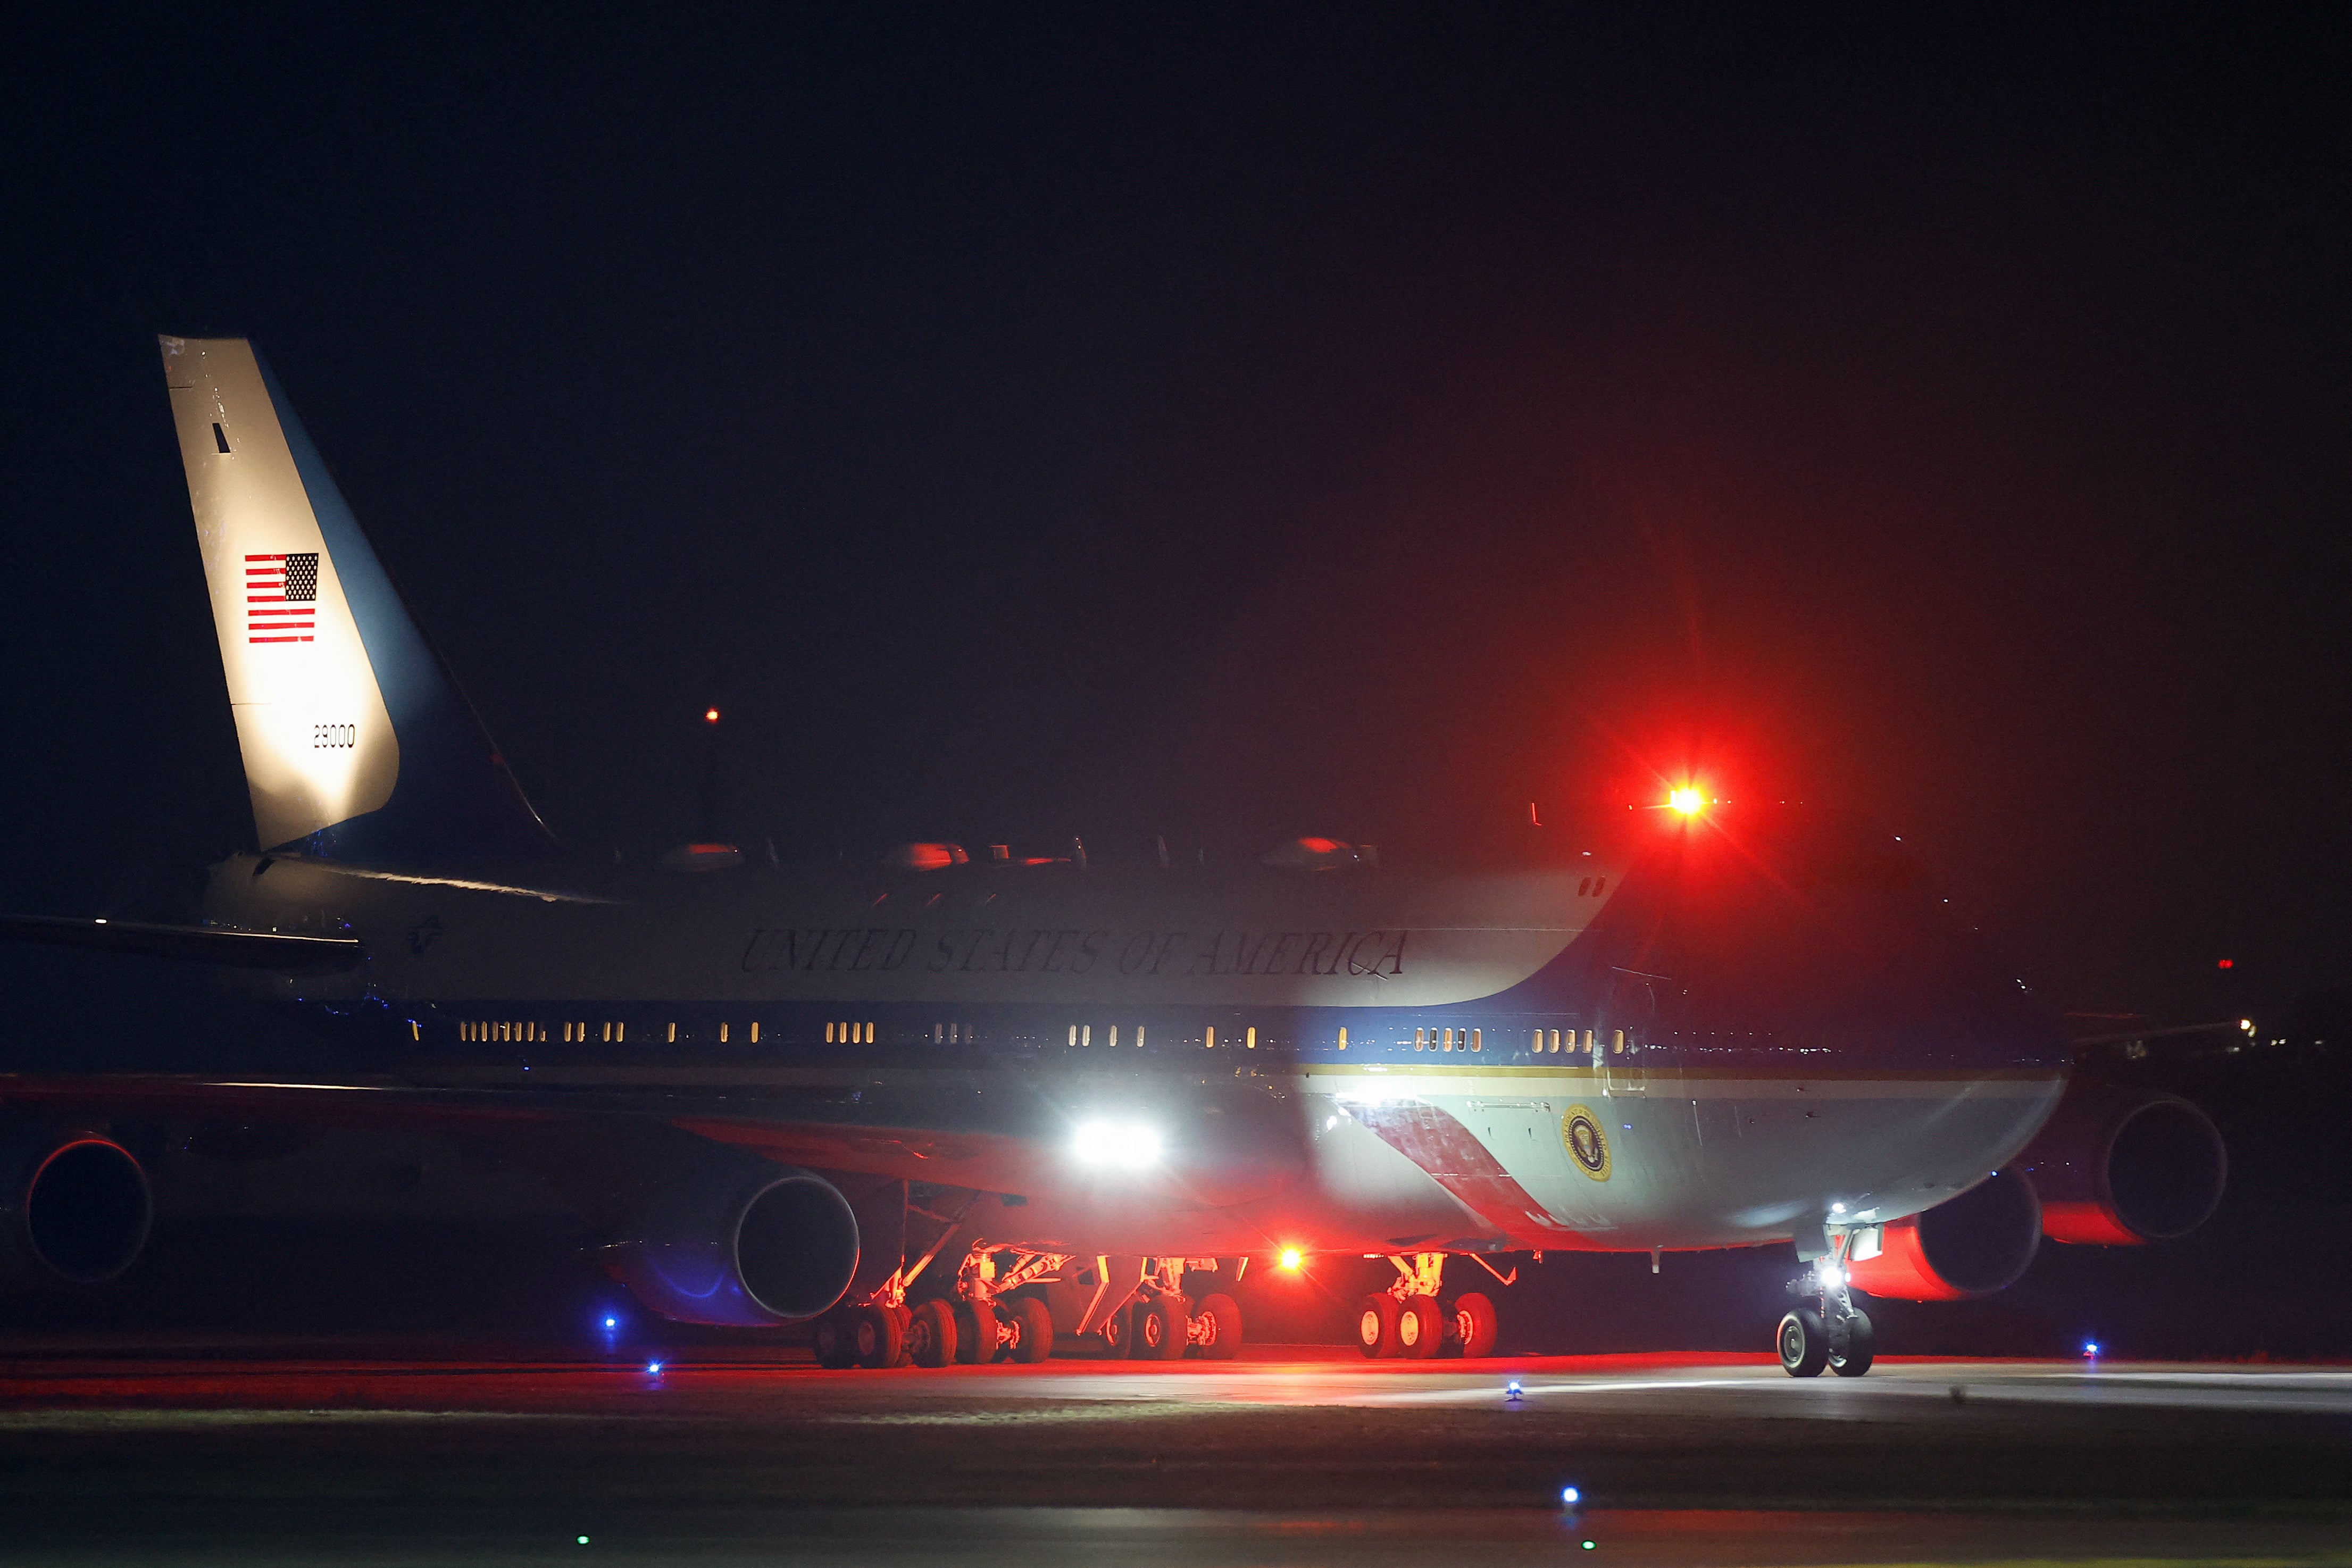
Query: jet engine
[
  {"x": 76, "y": 1210},
  {"x": 740, "y": 1242},
  {"x": 2119, "y": 1166},
  {"x": 1970, "y": 1246}
]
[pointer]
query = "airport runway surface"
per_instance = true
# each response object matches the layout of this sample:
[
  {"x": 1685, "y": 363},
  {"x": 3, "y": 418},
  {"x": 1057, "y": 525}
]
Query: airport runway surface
[{"x": 149, "y": 1451}]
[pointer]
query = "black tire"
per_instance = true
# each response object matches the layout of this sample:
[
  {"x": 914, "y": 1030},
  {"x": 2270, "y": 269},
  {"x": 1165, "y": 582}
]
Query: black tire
[
  {"x": 932, "y": 1336},
  {"x": 1221, "y": 1328},
  {"x": 875, "y": 1333},
  {"x": 905, "y": 1316},
  {"x": 1376, "y": 1326},
  {"x": 1421, "y": 1329},
  {"x": 975, "y": 1333},
  {"x": 1160, "y": 1326},
  {"x": 1804, "y": 1343},
  {"x": 1475, "y": 1324},
  {"x": 1029, "y": 1323},
  {"x": 1118, "y": 1333},
  {"x": 836, "y": 1340},
  {"x": 1860, "y": 1347}
]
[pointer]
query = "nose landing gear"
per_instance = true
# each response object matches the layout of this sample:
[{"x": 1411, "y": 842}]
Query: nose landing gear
[{"x": 1826, "y": 1328}]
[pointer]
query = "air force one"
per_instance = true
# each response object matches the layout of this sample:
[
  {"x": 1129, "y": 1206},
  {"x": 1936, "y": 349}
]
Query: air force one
[{"x": 952, "y": 1109}]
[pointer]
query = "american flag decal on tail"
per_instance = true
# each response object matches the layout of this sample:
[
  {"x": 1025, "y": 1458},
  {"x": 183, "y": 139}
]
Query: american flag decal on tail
[{"x": 281, "y": 596}]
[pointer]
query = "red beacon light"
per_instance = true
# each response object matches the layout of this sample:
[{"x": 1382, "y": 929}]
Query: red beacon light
[
  {"x": 710, "y": 715},
  {"x": 1685, "y": 801}
]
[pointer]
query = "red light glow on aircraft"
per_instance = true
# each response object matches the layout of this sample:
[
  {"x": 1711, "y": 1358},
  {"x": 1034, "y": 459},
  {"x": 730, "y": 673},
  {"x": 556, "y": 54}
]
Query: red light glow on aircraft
[{"x": 1686, "y": 799}]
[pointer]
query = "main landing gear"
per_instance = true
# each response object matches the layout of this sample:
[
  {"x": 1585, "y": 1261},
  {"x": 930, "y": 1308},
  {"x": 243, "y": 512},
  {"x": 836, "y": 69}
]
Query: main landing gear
[
  {"x": 1826, "y": 1328},
  {"x": 1413, "y": 1319},
  {"x": 1009, "y": 1303},
  {"x": 1153, "y": 1319}
]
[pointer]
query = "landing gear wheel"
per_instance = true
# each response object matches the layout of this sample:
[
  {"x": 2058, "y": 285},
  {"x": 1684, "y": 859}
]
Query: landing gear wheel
[
  {"x": 1118, "y": 1333},
  {"x": 1860, "y": 1347},
  {"x": 905, "y": 1316},
  {"x": 1475, "y": 1325},
  {"x": 975, "y": 1333},
  {"x": 1376, "y": 1326},
  {"x": 1420, "y": 1328},
  {"x": 931, "y": 1335},
  {"x": 836, "y": 1340},
  {"x": 1029, "y": 1330},
  {"x": 1160, "y": 1329},
  {"x": 1804, "y": 1343},
  {"x": 875, "y": 1333},
  {"x": 1219, "y": 1327}
]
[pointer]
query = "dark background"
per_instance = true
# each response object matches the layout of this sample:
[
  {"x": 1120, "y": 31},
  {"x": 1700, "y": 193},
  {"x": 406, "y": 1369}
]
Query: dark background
[{"x": 1230, "y": 425}]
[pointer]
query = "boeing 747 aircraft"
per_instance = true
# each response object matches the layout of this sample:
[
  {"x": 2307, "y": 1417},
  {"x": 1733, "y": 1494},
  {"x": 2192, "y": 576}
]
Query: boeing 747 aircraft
[{"x": 951, "y": 1108}]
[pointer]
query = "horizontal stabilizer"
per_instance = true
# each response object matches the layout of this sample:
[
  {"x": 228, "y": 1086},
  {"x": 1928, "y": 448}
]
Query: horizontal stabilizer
[{"x": 199, "y": 944}]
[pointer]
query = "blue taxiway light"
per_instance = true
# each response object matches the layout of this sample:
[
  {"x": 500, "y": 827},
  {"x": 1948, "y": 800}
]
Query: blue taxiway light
[{"x": 1570, "y": 1497}]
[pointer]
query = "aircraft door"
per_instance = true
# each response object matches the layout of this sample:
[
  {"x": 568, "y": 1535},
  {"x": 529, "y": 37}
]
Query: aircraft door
[{"x": 1620, "y": 1043}]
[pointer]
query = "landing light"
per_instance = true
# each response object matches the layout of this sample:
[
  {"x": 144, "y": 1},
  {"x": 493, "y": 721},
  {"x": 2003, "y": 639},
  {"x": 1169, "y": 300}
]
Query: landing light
[
  {"x": 1290, "y": 1259},
  {"x": 710, "y": 715},
  {"x": 1126, "y": 1145},
  {"x": 1686, "y": 800}
]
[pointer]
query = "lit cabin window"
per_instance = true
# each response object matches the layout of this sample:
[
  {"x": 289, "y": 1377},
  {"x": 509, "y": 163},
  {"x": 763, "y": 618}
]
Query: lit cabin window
[
  {"x": 416, "y": 1031},
  {"x": 1253, "y": 1039},
  {"x": 620, "y": 1031},
  {"x": 828, "y": 1031},
  {"x": 953, "y": 1030},
  {"x": 1449, "y": 1040},
  {"x": 1074, "y": 1034},
  {"x": 1343, "y": 1037},
  {"x": 1213, "y": 1036},
  {"x": 1477, "y": 1039},
  {"x": 1087, "y": 1036},
  {"x": 1616, "y": 1041},
  {"x": 1555, "y": 1038},
  {"x": 1587, "y": 1039},
  {"x": 1138, "y": 1036},
  {"x": 939, "y": 1034},
  {"x": 722, "y": 1033},
  {"x": 1114, "y": 1034},
  {"x": 1421, "y": 1039},
  {"x": 755, "y": 1033},
  {"x": 673, "y": 1033},
  {"x": 1539, "y": 1044}
]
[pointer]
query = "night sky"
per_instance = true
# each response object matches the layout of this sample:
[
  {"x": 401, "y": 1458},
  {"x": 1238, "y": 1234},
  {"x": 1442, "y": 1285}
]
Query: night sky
[{"x": 1233, "y": 426}]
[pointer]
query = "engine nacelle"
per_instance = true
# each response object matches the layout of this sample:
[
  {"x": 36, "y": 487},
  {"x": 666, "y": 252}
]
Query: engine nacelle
[
  {"x": 78, "y": 1207},
  {"x": 1970, "y": 1245},
  {"x": 2118, "y": 1166},
  {"x": 744, "y": 1244}
]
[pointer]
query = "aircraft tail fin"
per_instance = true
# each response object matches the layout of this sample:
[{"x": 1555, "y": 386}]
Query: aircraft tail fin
[{"x": 357, "y": 744}]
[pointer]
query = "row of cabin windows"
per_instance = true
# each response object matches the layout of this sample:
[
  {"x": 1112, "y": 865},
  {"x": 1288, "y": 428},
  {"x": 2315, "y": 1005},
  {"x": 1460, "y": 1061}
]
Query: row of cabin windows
[
  {"x": 1616, "y": 1041},
  {"x": 483, "y": 1030},
  {"x": 839, "y": 1032}
]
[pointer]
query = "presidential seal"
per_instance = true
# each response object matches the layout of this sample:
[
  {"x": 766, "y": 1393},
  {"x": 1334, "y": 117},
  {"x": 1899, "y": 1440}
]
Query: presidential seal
[{"x": 1587, "y": 1144}]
